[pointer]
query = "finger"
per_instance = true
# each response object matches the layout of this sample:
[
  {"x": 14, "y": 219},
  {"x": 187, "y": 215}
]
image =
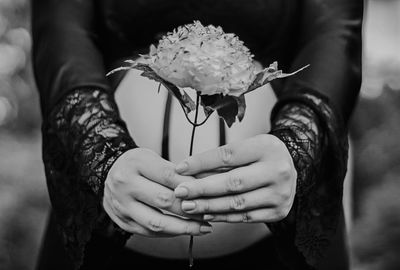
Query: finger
[
  {"x": 161, "y": 171},
  {"x": 158, "y": 196},
  {"x": 123, "y": 221},
  {"x": 158, "y": 222},
  {"x": 110, "y": 209},
  {"x": 238, "y": 180},
  {"x": 129, "y": 225},
  {"x": 230, "y": 155},
  {"x": 254, "y": 216},
  {"x": 212, "y": 172},
  {"x": 258, "y": 198}
]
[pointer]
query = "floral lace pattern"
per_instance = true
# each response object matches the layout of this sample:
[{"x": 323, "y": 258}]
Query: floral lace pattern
[
  {"x": 82, "y": 138},
  {"x": 317, "y": 143}
]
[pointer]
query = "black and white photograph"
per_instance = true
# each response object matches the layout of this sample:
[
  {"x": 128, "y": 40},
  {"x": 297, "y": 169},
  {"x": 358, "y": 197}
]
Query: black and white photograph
[{"x": 199, "y": 134}]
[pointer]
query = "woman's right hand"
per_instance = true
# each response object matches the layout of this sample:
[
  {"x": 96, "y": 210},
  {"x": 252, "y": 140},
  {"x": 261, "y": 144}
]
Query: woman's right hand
[{"x": 139, "y": 185}]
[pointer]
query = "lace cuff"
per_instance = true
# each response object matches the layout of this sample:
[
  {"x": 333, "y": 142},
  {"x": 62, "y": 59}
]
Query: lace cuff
[
  {"x": 82, "y": 138},
  {"x": 317, "y": 142}
]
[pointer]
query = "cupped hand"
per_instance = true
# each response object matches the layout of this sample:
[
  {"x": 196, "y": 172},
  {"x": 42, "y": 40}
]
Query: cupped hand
[
  {"x": 258, "y": 184},
  {"x": 139, "y": 191}
]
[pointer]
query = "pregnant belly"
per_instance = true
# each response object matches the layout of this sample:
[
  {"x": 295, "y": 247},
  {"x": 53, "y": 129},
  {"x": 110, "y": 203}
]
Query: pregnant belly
[{"x": 142, "y": 108}]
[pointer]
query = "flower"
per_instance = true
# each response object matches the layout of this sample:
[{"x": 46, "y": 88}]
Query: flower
[
  {"x": 203, "y": 58},
  {"x": 209, "y": 61}
]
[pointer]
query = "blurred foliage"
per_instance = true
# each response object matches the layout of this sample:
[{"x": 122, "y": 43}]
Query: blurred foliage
[
  {"x": 19, "y": 109},
  {"x": 376, "y": 237},
  {"x": 23, "y": 201},
  {"x": 375, "y": 129},
  {"x": 23, "y": 196}
]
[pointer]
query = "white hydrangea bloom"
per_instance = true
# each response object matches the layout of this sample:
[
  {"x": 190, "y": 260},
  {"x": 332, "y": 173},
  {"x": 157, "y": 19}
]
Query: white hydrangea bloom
[{"x": 205, "y": 59}]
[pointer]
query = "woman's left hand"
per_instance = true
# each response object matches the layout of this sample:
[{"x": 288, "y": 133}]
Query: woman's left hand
[{"x": 259, "y": 185}]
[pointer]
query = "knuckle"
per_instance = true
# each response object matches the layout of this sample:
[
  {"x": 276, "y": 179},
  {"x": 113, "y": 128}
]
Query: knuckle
[
  {"x": 280, "y": 214},
  {"x": 155, "y": 225},
  {"x": 168, "y": 175},
  {"x": 285, "y": 197},
  {"x": 164, "y": 200},
  {"x": 117, "y": 177},
  {"x": 201, "y": 190},
  {"x": 237, "y": 202},
  {"x": 234, "y": 183},
  {"x": 190, "y": 228},
  {"x": 134, "y": 193},
  {"x": 246, "y": 217},
  {"x": 187, "y": 229},
  {"x": 281, "y": 197},
  {"x": 204, "y": 205},
  {"x": 225, "y": 154},
  {"x": 285, "y": 171}
]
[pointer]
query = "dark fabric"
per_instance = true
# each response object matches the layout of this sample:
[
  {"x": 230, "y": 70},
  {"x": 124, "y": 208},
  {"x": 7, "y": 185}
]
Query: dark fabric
[
  {"x": 261, "y": 255},
  {"x": 76, "y": 42},
  {"x": 318, "y": 144},
  {"x": 53, "y": 255},
  {"x": 81, "y": 141},
  {"x": 83, "y": 39}
]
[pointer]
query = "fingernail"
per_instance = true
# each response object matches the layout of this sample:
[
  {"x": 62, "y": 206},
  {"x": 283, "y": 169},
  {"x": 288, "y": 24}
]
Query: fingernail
[
  {"x": 188, "y": 205},
  {"x": 181, "y": 192},
  {"x": 208, "y": 217},
  {"x": 182, "y": 167},
  {"x": 206, "y": 229}
]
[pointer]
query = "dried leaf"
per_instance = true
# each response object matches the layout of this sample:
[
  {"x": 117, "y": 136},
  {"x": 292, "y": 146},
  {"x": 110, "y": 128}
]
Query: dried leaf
[
  {"x": 241, "y": 102},
  {"x": 184, "y": 99},
  {"x": 269, "y": 74},
  {"x": 228, "y": 107}
]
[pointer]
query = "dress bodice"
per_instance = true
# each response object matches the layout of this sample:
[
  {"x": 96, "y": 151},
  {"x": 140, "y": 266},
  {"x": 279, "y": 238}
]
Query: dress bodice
[{"x": 76, "y": 42}]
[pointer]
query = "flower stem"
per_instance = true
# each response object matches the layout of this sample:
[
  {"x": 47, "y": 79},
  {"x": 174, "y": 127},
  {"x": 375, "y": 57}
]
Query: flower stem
[
  {"x": 194, "y": 124},
  {"x": 190, "y": 153}
]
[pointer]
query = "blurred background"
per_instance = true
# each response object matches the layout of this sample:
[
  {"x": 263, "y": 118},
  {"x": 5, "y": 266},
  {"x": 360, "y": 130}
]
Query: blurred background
[{"x": 375, "y": 133}]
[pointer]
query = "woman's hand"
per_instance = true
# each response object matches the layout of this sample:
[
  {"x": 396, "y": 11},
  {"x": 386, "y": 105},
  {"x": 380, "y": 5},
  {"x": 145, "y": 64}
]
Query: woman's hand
[
  {"x": 260, "y": 187},
  {"x": 139, "y": 185}
]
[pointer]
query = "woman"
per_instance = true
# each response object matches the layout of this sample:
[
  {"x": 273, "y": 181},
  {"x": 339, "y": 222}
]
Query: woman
[{"x": 105, "y": 187}]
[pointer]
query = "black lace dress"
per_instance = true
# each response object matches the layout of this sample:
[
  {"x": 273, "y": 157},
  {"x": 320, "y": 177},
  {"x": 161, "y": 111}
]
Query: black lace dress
[{"x": 76, "y": 42}]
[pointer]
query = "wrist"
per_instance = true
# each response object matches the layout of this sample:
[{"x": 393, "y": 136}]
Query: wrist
[{"x": 88, "y": 126}]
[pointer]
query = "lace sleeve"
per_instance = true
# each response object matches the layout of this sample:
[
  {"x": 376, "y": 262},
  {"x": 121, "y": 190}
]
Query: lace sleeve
[
  {"x": 82, "y": 137},
  {"x": 317, "y": 142}
]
